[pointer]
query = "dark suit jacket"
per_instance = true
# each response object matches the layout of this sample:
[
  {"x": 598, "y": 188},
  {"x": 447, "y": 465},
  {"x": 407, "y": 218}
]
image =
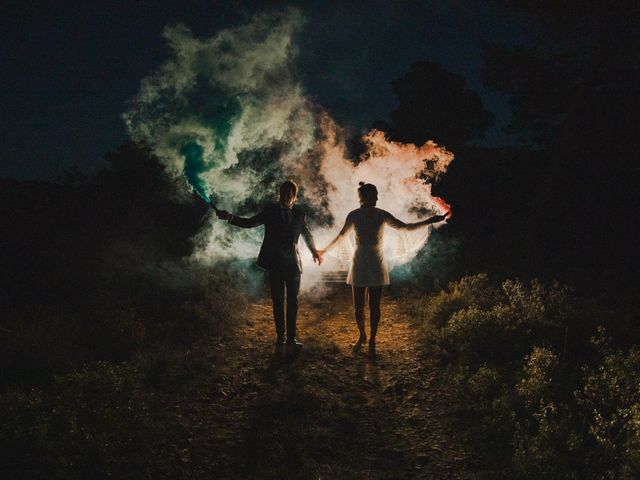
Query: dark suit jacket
[{"x": 279, "y": 248}]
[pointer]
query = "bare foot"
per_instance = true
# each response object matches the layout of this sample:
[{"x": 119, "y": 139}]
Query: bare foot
[
  {"x": 358, "y": 345},
  {"x": 372, "y": 349}
]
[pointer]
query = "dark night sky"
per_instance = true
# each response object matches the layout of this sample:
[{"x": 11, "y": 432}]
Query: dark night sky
[{"x": 68, "y": 68}]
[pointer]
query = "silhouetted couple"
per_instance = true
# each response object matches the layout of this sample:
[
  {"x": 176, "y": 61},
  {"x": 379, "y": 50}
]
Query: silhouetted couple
[{"x": 279, "y": 255}]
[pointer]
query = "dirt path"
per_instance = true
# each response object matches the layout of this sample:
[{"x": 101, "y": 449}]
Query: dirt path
[{"x": 325, "y": 413}]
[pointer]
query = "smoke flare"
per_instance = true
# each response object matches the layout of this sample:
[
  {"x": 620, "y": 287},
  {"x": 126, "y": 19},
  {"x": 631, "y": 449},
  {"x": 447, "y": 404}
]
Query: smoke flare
[{"x": 227, "y": 114}]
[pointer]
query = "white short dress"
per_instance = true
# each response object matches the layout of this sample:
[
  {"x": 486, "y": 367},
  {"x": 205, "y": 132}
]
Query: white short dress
[{"x": 368, "y": 266}]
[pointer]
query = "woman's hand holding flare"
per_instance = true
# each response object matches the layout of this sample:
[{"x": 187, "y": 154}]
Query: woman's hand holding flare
[{"x": 438, "y": 218}]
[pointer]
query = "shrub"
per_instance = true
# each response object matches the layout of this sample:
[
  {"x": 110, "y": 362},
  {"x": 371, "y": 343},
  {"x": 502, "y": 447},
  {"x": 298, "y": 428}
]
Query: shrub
[
  {"x": 112, "y": 333},
  {"x": 610, "y": 400},
  {"x": 220, "y": 302},
  {"x": 30, "y": 353},
  {"x": 536, "y": 385},
  {"x": 90, "y": 424},
  {"x": 547, "y": 398},
  {"x": 477, "y": 321},
  {"x": 41, "y": 344},
  {"x": 472, "y": 290}
]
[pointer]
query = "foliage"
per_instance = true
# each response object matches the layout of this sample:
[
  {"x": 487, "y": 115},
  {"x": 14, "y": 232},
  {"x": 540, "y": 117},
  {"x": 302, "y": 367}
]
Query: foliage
[
  {"x": 434, "y": 104},
  {"x": 218, "y": 298},
  {"x": 542, "y": 387},
  {"x": 91, "y": 423},
  {"x": 611, "y": 396}
]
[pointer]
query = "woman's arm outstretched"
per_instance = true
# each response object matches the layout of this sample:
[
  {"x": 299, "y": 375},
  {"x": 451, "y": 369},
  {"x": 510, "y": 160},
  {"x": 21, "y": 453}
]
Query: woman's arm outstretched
[
  {"x": 399, "y": 224},
  {"x": 348, "y": 224}
]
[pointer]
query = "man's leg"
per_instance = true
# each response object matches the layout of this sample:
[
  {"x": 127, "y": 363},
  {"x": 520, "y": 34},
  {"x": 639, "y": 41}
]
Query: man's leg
[
  {"x": 292, "y": 282},
  {"x": 276, "y": 281}
]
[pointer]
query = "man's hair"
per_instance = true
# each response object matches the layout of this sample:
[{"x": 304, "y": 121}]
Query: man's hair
[{"x": 287, "y": 188}]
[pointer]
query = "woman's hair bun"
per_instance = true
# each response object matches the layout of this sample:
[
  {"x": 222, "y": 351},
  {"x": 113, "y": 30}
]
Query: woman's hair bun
[{"x": 361, "y": 184}]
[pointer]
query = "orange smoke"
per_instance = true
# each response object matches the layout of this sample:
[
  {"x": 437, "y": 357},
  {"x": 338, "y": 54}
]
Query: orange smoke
[{"x": 403, "y": 174}]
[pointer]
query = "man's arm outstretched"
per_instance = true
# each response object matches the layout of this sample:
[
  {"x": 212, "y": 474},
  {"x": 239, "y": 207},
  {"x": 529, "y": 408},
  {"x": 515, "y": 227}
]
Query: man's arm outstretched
[{"x": 240, "y": 221}]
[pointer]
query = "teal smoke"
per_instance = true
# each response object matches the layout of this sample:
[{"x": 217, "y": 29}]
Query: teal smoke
[
  {"x": 194, "y": 166},
  {"x": 219, "y": 118}
]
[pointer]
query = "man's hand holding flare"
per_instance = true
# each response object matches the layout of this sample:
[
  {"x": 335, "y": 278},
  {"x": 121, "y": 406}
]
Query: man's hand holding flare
[{"x": 221, "y": 214}]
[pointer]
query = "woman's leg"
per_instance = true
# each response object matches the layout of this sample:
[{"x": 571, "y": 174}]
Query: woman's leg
[
  {"x": 358, "y": 304},
  {"x": 375, "y": 294}
]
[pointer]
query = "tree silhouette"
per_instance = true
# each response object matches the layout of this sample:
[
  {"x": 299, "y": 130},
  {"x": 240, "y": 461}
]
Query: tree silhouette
[
  {"x": 435, "y": 104},
  {"x": 59, "y": 238},
  {"x": 574, "y": 101}
]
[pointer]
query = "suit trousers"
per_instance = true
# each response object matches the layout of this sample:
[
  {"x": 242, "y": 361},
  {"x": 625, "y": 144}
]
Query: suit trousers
[{"x": 279, "y": 280}]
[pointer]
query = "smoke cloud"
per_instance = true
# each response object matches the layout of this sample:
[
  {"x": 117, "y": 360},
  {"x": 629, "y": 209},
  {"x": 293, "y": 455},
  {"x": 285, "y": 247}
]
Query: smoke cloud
[{"x": 229, "y": 115}]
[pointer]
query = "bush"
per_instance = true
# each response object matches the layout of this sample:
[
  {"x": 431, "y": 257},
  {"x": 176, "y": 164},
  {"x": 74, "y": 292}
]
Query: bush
[
  {"x": 29, "y": 352},
  {"x": 47, "y": 343},
  {"x": 473, "y": 290},
  {"x": 610, "y": 399},
  {"x": 115, "y": 325},
  {"x": 477, "y": 321},
  {"x": 547, "y": 395},
  {"x": 220, "y": 302},
  {"x": 90, "y": 424}
]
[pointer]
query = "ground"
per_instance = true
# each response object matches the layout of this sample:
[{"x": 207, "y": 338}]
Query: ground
[{"x": 247, "y": 412}]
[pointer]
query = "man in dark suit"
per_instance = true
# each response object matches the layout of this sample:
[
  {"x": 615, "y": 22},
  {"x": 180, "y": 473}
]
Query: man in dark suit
[{"x": 279, "y": 255}]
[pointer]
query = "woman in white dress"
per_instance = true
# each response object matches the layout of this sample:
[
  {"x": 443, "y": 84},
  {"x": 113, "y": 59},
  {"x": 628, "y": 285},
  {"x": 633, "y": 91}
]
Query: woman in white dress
[{"x": 369, "y": 272}]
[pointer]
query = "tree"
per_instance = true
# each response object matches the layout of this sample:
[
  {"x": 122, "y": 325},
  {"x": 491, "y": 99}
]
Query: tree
[
  {"x": 434, "y": 104},
  {"x": 574, "y": 101}
]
